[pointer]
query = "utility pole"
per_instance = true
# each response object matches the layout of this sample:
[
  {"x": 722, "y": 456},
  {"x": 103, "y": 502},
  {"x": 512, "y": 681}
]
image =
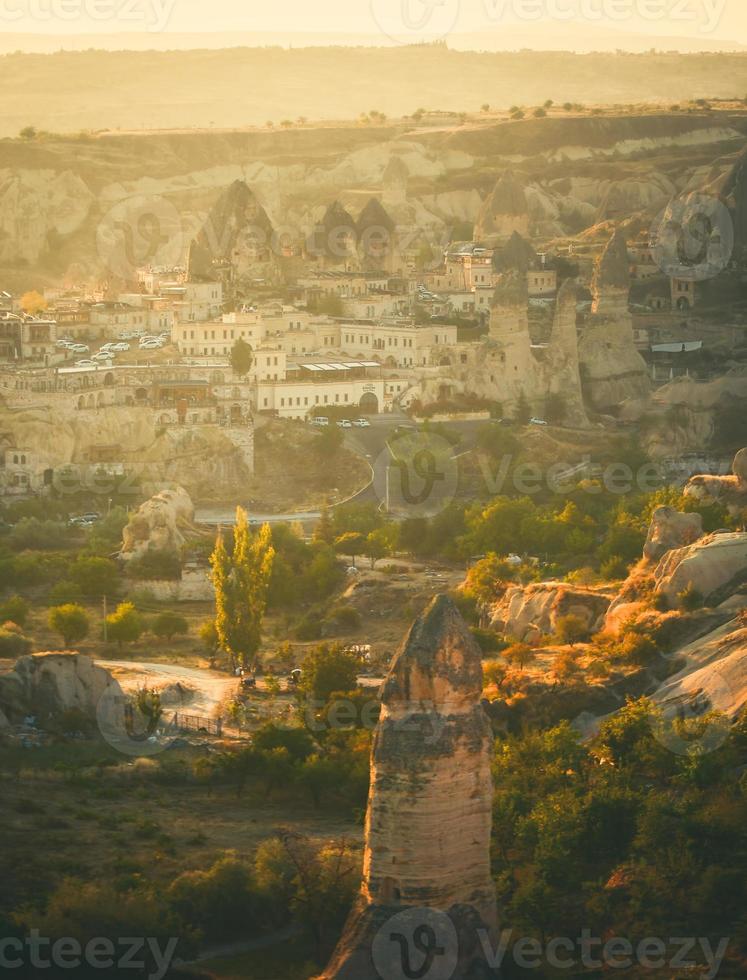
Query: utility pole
[{"x": 105, "y": 630}]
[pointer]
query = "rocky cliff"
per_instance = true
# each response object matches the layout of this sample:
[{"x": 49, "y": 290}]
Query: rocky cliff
[
  {"x": 426, "y": 869},
  {"x": 46, "y": 685},
  {"x": 531, "y": 612}
]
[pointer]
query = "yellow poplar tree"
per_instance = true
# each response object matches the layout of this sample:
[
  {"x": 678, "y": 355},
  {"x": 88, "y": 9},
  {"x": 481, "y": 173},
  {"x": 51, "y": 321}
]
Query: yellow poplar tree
[{"x": 241, "y": 580}]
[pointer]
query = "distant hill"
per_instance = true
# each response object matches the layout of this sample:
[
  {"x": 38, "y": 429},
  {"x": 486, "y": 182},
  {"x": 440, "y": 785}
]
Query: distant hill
[{"x": 72, "y": 91}]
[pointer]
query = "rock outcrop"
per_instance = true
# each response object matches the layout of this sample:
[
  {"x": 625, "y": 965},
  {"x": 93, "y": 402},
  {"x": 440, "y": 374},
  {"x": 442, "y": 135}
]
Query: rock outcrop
[
  {"x": 728, "y": 490},
  {"x": 504, "y": 212},
  {"x": 613, "y": 369},
  {"x": 426, "y": 863},
  {"x": 158, "y": 524},
  {"x": 669, "y": 529},
  {"x": 48, "y": 684},
  {"x": 531, "y": 611},
  {"x": 709, "y": 566},
  {"x": 237, "y": 232}
]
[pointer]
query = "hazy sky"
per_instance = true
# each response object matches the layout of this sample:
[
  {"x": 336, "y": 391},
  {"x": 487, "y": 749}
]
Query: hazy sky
[{"x": 398, "y": 20}]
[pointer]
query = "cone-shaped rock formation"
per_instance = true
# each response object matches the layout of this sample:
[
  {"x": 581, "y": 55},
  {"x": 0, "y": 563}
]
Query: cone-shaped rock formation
[{"x": 426, "y": 868}]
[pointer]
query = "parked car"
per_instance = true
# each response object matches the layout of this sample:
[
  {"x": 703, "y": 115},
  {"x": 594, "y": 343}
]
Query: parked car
[
  {"x": 320, "y": 420},
  {"x": 80, "y": 348},
  {"x": 150, "y": 345},
  {"x": 362, "y": 424},
  {"x": 120, "y": 347},
  {"x": 345, "y": 424},
  {"x": 85, "y": 362},
  {"x": 103, "y": 355},
  {"x": 537, "y": 422},
  {"x": 62, "y": 344}
]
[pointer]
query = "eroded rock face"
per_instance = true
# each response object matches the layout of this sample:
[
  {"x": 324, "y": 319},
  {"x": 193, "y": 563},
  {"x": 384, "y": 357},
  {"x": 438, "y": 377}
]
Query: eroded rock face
[
  {"x": 709, "y": 566},
  {"x": 157, "y": 525},
  {"x": 729, "y": 490},
  {"x": 532, "y": 611},
  {"x": 48, "y": 684},
  {"x": 671, "y": 529},
  {"x": 429, "y": 809}
]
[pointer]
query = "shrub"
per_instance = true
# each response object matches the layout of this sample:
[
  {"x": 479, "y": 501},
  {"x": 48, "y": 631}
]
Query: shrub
[
  {"x": 38, "y": 535},
  {"x": 518, "y": 655},
  {"x": 613, "y": 568},
  {"x": 71, "y": 622},
  {"x": 571, "y": 629},
  {"x": 488, "y": 640},
  {"x": 13, "y": 645},
  {"x": 155, "y": 564},
  {"x": 167, "y": 625},
  {"x": 690, "y": 599},
  {"x": 95, "y": 577},
  {"x": 15, "y": 609},
  {"x": 125, "y": 625},
  {"x": 65, "y": 593},
  {"x": 345, "y": 619}
]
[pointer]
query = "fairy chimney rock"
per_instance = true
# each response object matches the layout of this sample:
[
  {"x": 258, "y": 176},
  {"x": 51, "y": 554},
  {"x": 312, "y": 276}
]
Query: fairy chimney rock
[{"x": 428, "y": 824}]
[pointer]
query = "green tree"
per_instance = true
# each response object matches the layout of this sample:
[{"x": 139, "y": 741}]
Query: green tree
[
  {"x": 487, "y": 578},
  {"x": 14, "y": 610},
  {"x": 571, "y": 629},
  {"x": 95, "y": 577},
  {"x": 329, "y": 441},
  {"x": 327, "y": 670},
  {"x": 124, "y": 625},
  {"x": 518, "y": 655},
  {"x": 378, "y": 545},
  {"x": 241, "y": 358},
  {"x": 71, "y": 622},
  {"x": 241, "y": 581},
  {"x": 351, "y": 543},
  {"x": 169, "y": 624},
  {"x": 209, "y": 636}
]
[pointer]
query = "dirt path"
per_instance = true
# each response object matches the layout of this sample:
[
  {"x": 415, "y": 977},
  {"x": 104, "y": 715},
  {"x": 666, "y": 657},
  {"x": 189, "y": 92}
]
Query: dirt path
[{"x": 210, "y": 687}]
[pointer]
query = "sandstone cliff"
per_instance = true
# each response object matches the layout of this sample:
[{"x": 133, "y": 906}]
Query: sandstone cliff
[
  {"x": 48, "y": 684},
  {"x": 158, "y": 524},
  {"x": 426, "y": 861},
  {"x": 532, "y": 611}
]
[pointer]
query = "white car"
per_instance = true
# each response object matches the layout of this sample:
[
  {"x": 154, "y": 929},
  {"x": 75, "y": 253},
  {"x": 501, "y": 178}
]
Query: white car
[
  {"x": 63, "y": 344},
  {"x": 362, "y": 424},
  {"x": 537, "y": 422},
  {"x": 103, "y": 355},
  {"x": 86, "y": 362},
  {"x": 345, "y": 424},
  {"x": 320, "y": 420},
  {"x": 80, "y": 348},
  {"x": 120, "y": 347},
  {"x": 150, "y": 345}
]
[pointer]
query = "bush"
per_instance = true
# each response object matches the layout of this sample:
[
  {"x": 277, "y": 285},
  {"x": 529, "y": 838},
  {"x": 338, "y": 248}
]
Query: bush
[
  {"x": 344, "y": 619},
  {"x": 95, "y": 577},
  {"x": 571, "y": 629},
  {"x": 613, "y": 568},
  {"x": 488, "y": 640},
  {"x": 221, "y": 902},
  {"x": 690, "y": 599},
  {"x": 155, "y": 565},
  {"x": 71, "y": 622},
  {"x": 65, "y": 593},
  {"x": 33, "y": 534},
  {"x": 15, "y": 609},
  {"x": 167, "y": 625},
  {"x": 13, "y": 645},
  {"x": 125, "y": 625}
]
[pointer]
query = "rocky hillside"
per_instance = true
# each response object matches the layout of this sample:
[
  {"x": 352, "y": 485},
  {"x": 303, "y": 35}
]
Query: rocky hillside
[{"x": 574, "y": 171}]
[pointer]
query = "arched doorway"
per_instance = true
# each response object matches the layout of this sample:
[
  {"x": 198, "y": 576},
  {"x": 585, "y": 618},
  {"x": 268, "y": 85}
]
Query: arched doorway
[
  {"x": 236, "y": 414},
  {"x": 141, "y": 395},
  {"x": 369, "y": 404},
  {"x": 109, "y": 378}
]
